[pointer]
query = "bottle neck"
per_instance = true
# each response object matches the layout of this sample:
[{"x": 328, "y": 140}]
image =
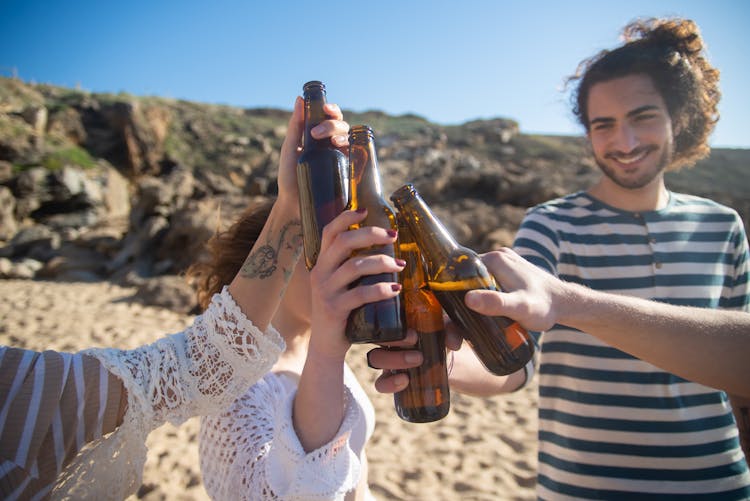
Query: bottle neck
[
  {"x": 363, "y": 167},
  {"x": 315, "y": 99},
  {"x": 413, "y": 276},
  {"x": 434, "y": 240}
]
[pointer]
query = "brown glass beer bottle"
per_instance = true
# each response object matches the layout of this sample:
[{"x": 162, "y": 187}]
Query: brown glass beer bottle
[
  {"x": 321, "y": 175},
  {"x": 501, "y": 344},
  {"x": 380, "y": 321},
  {"x": 427, "y": 398}
]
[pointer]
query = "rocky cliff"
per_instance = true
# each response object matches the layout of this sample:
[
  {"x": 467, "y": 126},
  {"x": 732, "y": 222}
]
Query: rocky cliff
[{"x": 123, "y": 188}]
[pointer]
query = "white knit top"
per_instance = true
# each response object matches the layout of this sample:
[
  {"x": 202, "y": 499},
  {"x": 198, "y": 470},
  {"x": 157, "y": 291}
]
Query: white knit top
[
  {"x": 199, "y": 371},
  {"x": 251, "y": 450}
]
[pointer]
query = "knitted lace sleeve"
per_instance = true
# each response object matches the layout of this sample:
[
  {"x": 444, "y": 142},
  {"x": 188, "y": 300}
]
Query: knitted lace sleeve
[
  {"x": 196, "y": 372},
  {"x": 252, "y": 452}
]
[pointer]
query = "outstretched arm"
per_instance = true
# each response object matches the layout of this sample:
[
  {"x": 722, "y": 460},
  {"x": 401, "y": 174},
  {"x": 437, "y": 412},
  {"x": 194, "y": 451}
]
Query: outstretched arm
[{"x": 708, "y": 346}]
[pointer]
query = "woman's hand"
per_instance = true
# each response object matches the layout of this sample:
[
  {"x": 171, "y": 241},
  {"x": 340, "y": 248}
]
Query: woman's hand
[
  {"x": 319, "y": 402},
  {"x": 335, "y": 128},
  {"x": 336, "y": 269}
]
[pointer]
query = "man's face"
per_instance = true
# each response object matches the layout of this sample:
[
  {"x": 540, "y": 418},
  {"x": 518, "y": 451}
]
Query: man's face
[{"x": 630, "y": 130}]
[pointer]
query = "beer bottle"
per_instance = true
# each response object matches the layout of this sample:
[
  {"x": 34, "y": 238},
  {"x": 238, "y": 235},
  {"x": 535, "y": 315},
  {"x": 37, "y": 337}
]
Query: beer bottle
[
  {"x": 379, "y": 321},
  {"x": 502, "y": 345},
  {"x": 321, "y": 175},
  {"x": 427, "y": 398}
]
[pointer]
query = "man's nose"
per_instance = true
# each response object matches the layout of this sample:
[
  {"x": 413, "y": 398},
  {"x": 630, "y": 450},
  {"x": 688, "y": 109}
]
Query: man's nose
[{"x": 626, "y": 138}]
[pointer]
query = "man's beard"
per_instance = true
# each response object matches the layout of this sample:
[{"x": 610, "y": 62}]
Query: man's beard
[{"x": 644, "y": 179}]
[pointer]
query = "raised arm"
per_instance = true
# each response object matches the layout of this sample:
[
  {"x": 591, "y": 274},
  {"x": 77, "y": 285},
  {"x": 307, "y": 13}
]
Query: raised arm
[
  {"x": 261, "y": 282},
  {"x": 319, "y": 404}
]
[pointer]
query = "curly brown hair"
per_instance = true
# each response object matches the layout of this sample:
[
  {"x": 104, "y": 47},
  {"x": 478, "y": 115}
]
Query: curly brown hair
[
  {"x": 227, "y": 252},
  {"x": 672, "y": 53}
]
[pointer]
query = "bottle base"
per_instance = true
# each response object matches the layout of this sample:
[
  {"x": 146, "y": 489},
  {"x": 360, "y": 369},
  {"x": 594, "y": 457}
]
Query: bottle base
[
  {"x": 521, "y": 357},
  {"x": 424, "y": 415}
]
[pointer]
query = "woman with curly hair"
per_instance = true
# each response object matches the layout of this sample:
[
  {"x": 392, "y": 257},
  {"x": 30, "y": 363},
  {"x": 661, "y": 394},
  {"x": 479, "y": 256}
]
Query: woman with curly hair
[{"x": 299, "y": 432}]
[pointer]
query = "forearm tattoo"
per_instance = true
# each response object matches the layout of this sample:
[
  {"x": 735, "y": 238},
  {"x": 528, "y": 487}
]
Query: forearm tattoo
[{"x": 262, "y": 262}]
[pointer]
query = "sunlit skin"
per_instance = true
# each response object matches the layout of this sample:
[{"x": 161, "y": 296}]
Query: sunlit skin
[{"x": 632, "y": 140}]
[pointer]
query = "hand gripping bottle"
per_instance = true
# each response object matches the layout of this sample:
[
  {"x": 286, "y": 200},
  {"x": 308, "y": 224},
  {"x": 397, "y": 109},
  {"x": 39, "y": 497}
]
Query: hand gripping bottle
[
  {"x": 427, "y": 398},
  {"x": 380, "y": 321},
  {"x": 321, "y": 175},
  {"x": 502, "y": 345}
]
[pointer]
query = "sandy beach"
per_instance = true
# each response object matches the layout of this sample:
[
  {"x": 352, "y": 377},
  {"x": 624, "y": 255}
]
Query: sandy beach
[{"x": 485, "y": 449}]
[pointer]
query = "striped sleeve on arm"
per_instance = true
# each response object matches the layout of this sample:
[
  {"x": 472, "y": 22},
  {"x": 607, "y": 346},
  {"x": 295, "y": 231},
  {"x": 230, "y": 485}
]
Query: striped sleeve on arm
[{"x": 51, "y": 405}]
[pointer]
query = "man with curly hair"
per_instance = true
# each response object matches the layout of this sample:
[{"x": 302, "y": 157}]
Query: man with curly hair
[{"x": 612, "y": 425}]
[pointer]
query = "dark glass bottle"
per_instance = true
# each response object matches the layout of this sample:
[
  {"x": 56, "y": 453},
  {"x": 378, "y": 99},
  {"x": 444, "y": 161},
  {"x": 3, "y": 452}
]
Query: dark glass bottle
[
  {"x": 321, "y": 175},
  {"x": 501, "y": 344},
  {"x": 427, "y": 398},
  {"x": 380, "y": 321}
]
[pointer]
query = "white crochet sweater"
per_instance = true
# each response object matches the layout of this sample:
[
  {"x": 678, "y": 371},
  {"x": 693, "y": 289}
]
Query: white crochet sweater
[
  {"x": 196, "y": 372},
  {"x": 251, "y": 451}
]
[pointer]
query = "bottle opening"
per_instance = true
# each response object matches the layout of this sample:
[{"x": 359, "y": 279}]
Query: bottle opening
[
  {"x": 314, "y": 85},
  {"x": 361, "y": 133},
  {"x": 406, "y": 190}
]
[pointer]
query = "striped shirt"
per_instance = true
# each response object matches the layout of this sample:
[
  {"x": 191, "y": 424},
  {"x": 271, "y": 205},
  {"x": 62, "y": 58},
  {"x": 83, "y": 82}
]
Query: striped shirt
[
  {"x": 51, "y": 404},
  {"x": 610, "y": 425}
]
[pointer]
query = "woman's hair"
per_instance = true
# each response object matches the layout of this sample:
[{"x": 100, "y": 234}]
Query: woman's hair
[
  {"x": 227, "y": 252},
  {"x": 672, "y": 53}
]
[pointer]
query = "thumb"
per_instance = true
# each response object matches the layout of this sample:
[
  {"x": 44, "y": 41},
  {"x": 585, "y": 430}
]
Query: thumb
[
  {"x": 490, "y": 303},
  {"x": 294, "y": 129}
]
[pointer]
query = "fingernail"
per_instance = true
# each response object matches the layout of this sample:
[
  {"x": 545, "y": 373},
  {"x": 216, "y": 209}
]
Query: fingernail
[
  {"x": 392, "y": 233},
  {"x": 361, "y": 210},
  {"x": 395, "y": 287},
  {"x": 368, "y": 360},
  {"x": 400, "y": 262},
  {"x": 412, "y": 357},
  {"x": 401, "y": 380}
]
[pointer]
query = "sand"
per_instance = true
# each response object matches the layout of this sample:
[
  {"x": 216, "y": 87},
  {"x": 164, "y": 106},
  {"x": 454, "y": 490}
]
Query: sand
[{"x": 485, "y": 449}]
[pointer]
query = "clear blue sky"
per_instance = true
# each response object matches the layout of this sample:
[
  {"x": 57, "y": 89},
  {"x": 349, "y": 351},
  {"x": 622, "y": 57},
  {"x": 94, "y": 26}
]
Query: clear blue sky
[{"x": 448, "y": 61}]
